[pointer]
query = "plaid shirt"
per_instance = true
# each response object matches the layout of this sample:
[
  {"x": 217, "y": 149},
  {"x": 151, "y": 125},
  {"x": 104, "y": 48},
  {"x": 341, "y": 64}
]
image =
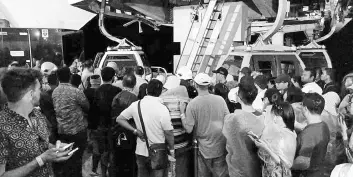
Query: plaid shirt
[
  {"x": 20, "y": 144},
  {"x": 70, "y": 105}
]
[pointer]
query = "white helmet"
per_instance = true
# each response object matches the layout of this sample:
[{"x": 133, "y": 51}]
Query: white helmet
[
  {"x": 48, "y": 67},
  {"x": 184, "y": 73}
]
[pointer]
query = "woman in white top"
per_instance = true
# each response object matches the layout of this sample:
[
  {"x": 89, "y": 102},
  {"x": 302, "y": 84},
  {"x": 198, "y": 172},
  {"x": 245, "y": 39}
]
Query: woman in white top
[{"x": 277, "y": 144}]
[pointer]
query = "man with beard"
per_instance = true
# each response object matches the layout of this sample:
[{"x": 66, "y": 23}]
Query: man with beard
[{"x": 24, "y": 138}]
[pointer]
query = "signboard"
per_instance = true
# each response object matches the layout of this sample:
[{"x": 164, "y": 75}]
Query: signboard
[
  {"x": 45, "y": 33},
  {"x": 17, "y": 53}
]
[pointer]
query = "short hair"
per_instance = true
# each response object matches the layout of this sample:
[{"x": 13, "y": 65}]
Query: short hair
[
  {"x": 294, "y": 95},
  {"x": 298, "y": 79},
  {"x": 312, "y": 72},
  {"x": 154, "y": 88},
  {"x": 18, "y": 81},
  {"x": 108, "y": 74},
  {"x": 88, "y": 64},
  {"x": 330, "y": 72},
  {"x": 64, "y": 75},
  {"x": 75, "y": 80},
  {"x": 52, "y": 79},
  {"x": 314, "y": 102},
  {"x": 261, "y": 81},
  {"x": 286, "y": 111},
  {"x": 274, "y": 96},
  {"x": 129, "y": 81},
  {"x": 221, "y": 90},
  {"x": 247, "y": 93},
  {"x": 139, "y": 70}
]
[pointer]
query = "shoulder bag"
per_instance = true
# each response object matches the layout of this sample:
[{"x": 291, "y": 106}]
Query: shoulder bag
[{"x": 157, "y": 153}]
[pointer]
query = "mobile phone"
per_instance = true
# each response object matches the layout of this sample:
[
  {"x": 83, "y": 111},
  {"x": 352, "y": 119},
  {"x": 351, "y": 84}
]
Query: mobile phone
[
  {"x": 73, "y": 151},
  {"x": 68, "y": 146}
]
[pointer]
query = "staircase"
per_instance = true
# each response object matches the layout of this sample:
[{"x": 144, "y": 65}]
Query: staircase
[
  {"x": 199, "y": 44},
  {"x": 228, "y": 31},
  {"x": 205, "y": 52}
]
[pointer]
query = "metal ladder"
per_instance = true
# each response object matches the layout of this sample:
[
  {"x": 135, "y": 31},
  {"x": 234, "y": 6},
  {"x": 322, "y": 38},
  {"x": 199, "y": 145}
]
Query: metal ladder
[
  {"x": 228, "y": 31},
  {"x": 204, "y": 34}
]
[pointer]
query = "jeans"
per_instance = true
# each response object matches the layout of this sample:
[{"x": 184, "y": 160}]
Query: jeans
[
  {"x": 215, "y": 167},
  {"x": 73, "y": 166},
  {"x": 183, "y": 167},
  {"x": 143, "y": 170}
]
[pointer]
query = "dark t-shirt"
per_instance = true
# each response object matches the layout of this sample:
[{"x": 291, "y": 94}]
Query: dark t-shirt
[
  {"x": 91, "y": 118},
  {"x": 103, "y": 103},
  {"x": 312, "y": 142}
]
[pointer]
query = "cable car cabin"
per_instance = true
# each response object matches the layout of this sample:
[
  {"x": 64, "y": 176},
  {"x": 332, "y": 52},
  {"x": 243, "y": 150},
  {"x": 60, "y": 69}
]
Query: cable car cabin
[
  {"x": 272, "y": 60},
  {"x": 126, "y": 56}
]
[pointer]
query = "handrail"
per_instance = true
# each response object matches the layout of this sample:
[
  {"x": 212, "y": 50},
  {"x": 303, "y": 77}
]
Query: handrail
[
  {"x": 281, "y": 15},
  {"x": 102, "y": 27},
  {"x": 196, "y": 10}
]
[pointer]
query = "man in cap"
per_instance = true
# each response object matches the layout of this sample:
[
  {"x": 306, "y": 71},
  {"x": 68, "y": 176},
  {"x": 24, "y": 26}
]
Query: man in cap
[
  {"x": 205, "y": 115},
  {"x": 221, "y": 75},
  {"x": 283, "y": 82}
]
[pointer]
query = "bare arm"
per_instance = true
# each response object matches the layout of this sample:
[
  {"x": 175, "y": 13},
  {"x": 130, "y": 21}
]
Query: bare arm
[
  {"x": 51, "y": 155},
  {"x": 122, "y": 121},
  {"x": 169, "y": 136},
  {"x": 188, "y": 122},
  {"x": 20, "y": 171}
]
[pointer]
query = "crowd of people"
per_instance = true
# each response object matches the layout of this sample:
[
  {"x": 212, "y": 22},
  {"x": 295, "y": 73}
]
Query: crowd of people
[{"x": 175, "y": 126}]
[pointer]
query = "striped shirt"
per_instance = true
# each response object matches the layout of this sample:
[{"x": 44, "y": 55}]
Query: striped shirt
[{"x": 171, "y": 100}]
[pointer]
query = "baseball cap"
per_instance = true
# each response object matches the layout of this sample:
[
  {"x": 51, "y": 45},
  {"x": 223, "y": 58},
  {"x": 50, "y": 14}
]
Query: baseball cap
[
  {"x": 246, "y": 71},
  {"x": 184, "y": 73},
  {"x": 222, "y": 71},
  {"x": 283, "y": 78},
  {"x": 202, "y": 79}
]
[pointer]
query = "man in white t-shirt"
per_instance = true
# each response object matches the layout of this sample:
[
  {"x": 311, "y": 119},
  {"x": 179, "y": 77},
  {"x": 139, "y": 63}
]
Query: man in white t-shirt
[
  {"x": 261, "y": 85},
  {"x": 158, "y": 127},
  {"x": 308, "y": 78}
]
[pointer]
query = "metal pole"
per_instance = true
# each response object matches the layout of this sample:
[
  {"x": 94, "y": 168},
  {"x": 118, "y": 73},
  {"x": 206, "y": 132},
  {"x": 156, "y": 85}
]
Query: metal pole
[
  {"x": 196, "y": 151},
  {"x": 30, "y": 48}
]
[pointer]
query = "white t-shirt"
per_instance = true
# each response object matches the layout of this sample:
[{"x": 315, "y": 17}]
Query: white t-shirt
[
  {"x": 156, "y": 119},
  {"x": 312, "y": 87},
  {"x": 258, "y": 104}
]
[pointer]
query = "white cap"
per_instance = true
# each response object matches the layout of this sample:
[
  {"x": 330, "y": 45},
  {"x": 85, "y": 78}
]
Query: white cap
[
  {"x": 48, "y": 67},
  {"x": 232, "y": 95},
  {"x": 172, "y": 82},
  {"x": 202, "y": 79},
  {"x": 184, "y": 73},
  {"x": 332, "y": 100},
  {"x": 113, "y": 65}
]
